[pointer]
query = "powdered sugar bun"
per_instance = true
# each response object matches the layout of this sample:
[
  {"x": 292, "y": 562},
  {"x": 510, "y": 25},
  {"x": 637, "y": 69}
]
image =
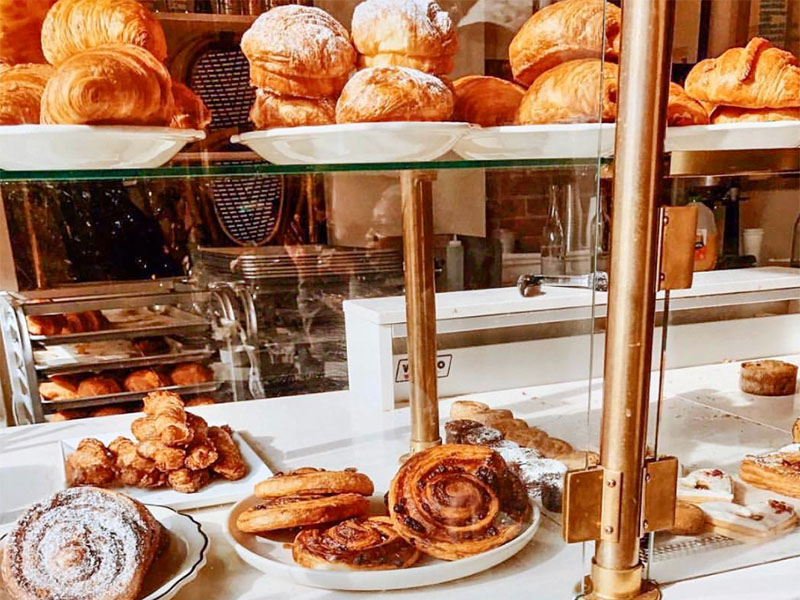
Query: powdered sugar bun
[{"x": 270, "y": 110}]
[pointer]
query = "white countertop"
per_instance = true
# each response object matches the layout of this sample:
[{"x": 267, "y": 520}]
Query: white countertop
[{"x": 706, "y": 422}]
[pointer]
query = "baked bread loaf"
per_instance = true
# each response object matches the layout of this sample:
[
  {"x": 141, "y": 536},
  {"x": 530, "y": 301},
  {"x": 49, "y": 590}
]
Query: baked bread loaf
[
  {"x": 768, "y": 378},
  {"x": 683, "y": 110},
  {"x": 394, "y": 94},
  {"x": 270, "y": 110},
  {"x": 407, "y": 33},
  {"x": 73, "y": 26},
  {"x": 21, "y": 30},
  {"x": 99, "y": 385},
  {"x": 562, "y": 32},
  {"x": 756, "y": 76},
  {"x": 486, "y": 101},
  {"x": 21, "y": 89},
  {"x": 733, "y": 114},
  {"x": 299, "y": 51},
  {"x": 118, "y": 84},
  {"x": 190, "y": 110}
]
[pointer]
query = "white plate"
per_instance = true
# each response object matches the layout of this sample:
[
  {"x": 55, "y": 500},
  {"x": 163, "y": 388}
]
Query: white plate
[
  {"x": 733, "y": 136},
  {"x": 179, "y": 562},
  {"x": 219, "y": 491},
  {"x": 271, "y": 557},
  {"x": 84, "y": 147},
  {"x": 526, "y": 142},
  {"x": 354, "y": 143}
]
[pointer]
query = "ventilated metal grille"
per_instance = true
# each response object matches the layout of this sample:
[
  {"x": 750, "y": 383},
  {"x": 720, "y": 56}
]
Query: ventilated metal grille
[
  {"x": 687, "y": 547},
  {"x": 249, "y": 209},
  {"x": 222, "y": 78}
]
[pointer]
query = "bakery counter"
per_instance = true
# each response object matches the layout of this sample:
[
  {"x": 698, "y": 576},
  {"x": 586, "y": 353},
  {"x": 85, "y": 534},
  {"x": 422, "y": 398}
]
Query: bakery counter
[{"x": 333, "y": 431}]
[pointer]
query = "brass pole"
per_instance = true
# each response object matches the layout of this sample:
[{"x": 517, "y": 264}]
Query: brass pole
[
  {"x": 641, "y": 119},
  {"x": 417, "y": 197}
]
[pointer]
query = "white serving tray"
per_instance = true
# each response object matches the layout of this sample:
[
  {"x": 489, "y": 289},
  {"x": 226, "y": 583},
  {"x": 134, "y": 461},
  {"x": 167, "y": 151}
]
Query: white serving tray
[
  {"x": 354, "y": 143},
  {"x": 87, "y": 147},
  {"x": 531, "y": 142},
  {"x": 733, "y": 136},
  {"x": 219, "y": 491},
  {"x": 271, "y": 556}
]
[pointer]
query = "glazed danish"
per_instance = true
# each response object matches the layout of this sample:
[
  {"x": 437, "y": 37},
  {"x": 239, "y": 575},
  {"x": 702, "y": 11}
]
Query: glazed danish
[
  {"x": 302, "y": 510},
  {"x": 21, "y": 89}
]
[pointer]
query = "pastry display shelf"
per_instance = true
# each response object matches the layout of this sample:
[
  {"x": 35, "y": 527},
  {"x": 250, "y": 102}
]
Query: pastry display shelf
[
  {"x": 51, "y": 406},
  {"x": 98, "y": 365}
]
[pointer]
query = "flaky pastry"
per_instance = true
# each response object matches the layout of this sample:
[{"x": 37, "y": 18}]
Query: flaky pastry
[
  {"x": 21, "y": 89},
  {"x": 309, "y": 480},
  {"x": 270, "y": 110},
  {"x": 733, "y": 114},
  {"x": 190, "y": 110},
  {"x": 776, "y": 471},
  {"x": 486, "y": 101},
  {"x": 305, "y": 510},
  {"x": 684, "y": 110},
  {"x": 21, "y": 30}
]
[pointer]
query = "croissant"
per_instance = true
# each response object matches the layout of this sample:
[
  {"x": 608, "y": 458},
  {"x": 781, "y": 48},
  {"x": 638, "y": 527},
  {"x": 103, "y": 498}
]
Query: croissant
[
  {"x": 21, "y": 30},
  {"x": 190, "y": 110},
  {"x": 486, "y": 101},
  {"x": 757, "y": 76},
  {"x": 732, "y": 114},
  {"x": 118, "y": 84},
  {"x": 564, "y": 31},
  {"x": 76, "y": 25},
  {"x": 683, "y": 110},
  {"x": 21, "y": 89}
]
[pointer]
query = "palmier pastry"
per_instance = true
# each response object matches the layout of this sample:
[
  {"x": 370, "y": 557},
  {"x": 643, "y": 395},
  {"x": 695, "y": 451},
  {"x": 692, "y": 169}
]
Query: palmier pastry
[
  {"x": 145, "y": 379},
  {"x": 230, "y": 465},
  {"x": 309, "y": 480},
  {"x": 91, "y": 464},
  {"x": 756, "y": 76},
  {"x": 705, "y": 485},
  {"x": 486, "y": 101},
  {"x": 776, "y": 471},
  {"x": 190, "y": 374},
  {"x": 117, "y": 84},
  {"x": 21, "y": 30},
  {"x": 134, "y": 469},
  {"x": 190, "y": 110},
  {"x": 170, "y": 422},
  {"x": 21, "y": 89},
  {"x": 299, "y": 51},
  {"x": 455, "y": 501},
  {"x": 768, "y": 378},
  {"x": 361, "y": 544},
  {"x": 81, "y": 543},
  {"x": 271, "y": 110},
  {"x": 45, "y": 324},
  {"x": 689, "y": 519},
  {"x": 305, "y": 510},
  {"x": 762, "y": 520},
  {"x": 565, "y": 31},
  {"x": 99, "y": 385},
  {"x": 407, "y": 33},
  {"x": 58, "y": 387},
  {"x": 394, "y": 94},
  {"x": 683, "y": 110},
  {"x": 73, "y": 26},
  {"x": 733, "y": 114}
]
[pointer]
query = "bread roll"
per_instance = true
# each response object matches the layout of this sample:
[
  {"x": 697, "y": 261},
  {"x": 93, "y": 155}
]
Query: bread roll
[
  {"x": 21, "y": 30},
  {"x": 683, "y": 110},
  {"x": 190, "y": 110},
  {"x": 118, "y": 84},
  {"x": 486, "y": 101},
  {"x": 394, "y": 94},
  {"x": 562, "y": 32},
  {"x": 21, "y": 89},
  {"x": 58, "y": 387},
  {"x": 270, "y": 110},
  {"x": 76, "y": 25},
  {"x": 732, "y": 114},
  {"x": 299, "y": 51},
  {"x": 99, "y": 385},
  {"x": 191, "y": 373},
  {"x": 408, "y": 33}
]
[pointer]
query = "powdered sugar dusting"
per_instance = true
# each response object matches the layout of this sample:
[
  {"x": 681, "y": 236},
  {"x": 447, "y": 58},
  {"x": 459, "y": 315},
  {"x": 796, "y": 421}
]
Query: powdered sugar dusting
[
  {"x": 534, "y": 471},
  {"x": 391, "y": 23}
]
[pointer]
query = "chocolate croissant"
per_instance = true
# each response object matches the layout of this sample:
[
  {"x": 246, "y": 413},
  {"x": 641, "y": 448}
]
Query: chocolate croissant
[
  {"x": 21, "y": 89},
  {"x": 118, "y": 84},
  {"x": 21, "y": 30},
  {"x": 73, "y": 26}
]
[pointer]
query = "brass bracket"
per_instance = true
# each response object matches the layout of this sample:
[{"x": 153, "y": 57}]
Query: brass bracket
[
  {"x": 659, "y": 488},
  {"x": 678, "y": 235},
  {"x": 582, "y": 509}
]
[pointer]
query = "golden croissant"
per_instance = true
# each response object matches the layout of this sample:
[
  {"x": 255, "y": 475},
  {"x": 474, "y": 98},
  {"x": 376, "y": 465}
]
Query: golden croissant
[
  {"x": 21, "y": 30},
  {"x": 21, "y": 89},
  {"x": 118, "y": 84},
  {"x": 683, "y": 110},
  {"x": 76, "y": 25}
]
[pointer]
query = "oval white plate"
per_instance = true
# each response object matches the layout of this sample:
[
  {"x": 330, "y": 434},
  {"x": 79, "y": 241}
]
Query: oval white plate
[
  {"x": 733, "y": 136},
  {"x": 270, "y": 557},
  {"x": 527, "y": 142},
  {"x": 354, "y": 143},
  {"x": 87, "y": 147}
]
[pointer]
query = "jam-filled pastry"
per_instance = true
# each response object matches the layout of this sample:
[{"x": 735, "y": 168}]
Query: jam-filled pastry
[
  {"x": 309, "y": 480},
  {"x": 303, "y": 510},
  {"x": 705, "y": 485},
  {"x": 81, "y": 543},
  {"x": 775, "y": 471},
  {"x": 230, "y": 464},
  {"x": 455, "y": 501},
  {"x": 91, "y": 464},
  {"x": 765, "y": 519},
  {"x": 360, "y": 544}
]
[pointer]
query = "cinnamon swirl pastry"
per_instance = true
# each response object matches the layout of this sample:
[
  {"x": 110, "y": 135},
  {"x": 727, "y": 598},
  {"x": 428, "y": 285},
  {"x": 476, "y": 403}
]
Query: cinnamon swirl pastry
[
  {"x": 21, "y": 89},
  {"x": 80, "y": 544},
  {"x": 455, "y": 501},
  {"x": 361, "y": 544},
  {"x": 302, "y": 510}
]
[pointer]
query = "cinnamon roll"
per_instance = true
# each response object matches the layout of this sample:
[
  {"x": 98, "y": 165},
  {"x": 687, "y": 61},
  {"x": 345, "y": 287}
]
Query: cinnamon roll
[
  {"x": 455, "y": 501},
  {"x": 360, "y": 544}
]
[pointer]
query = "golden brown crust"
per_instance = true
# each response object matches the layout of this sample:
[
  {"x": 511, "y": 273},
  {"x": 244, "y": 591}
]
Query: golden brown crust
[
  {"x": 187, "y": 481},
  {"x": 99, "y": 385},
  {"x": 190, "y": 110},
  {"x": 314, "y": 481},
  {"x": 165, "y": 458},
  {"x": 200, "y": 401},
  {"x": 108, "y": 411},
  {"x": 777, "y": 471},
  {"x": 91, "y": 464},
  {"x": 58, "y": 387},
  {"x": 486, "y": 101},
  {"x": 756, "y": 76},
  {"x": 191, "y": 373},
  {"x": 45, "y": 324},
  {"x": 768, "y": 378},
  {"x": 409, "y": 33},
  {"x": 144, "y": 380},
  {"x": 21, "y": 89},
  {"x": 394, "y": 94},
  {"x": 689, "y": 519},
  {"x": 132, "y": 468},
  {"x": 683, "y": 110},
  {"x": 733, "y": 114},
  {"x": 21, "y": 30},
  {"x": 110, "y": 85},
  {"x": 144, "y": 428},
  {"x": 230, "y": 465},
  {"x": 301, "y": 511},
  {"x": 270, "y": 110},
  {"x": 169, "y": 416},
  {"x": 468, "y": 409},
  {"x": 562, "y": 32},
  {"x": 73, "y": 26}
]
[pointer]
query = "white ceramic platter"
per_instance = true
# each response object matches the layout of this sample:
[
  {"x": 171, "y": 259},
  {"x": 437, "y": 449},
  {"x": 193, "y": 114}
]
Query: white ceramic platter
[
  {"x": 219, "y": 491},
  {"x": 272, "y": 557},
  {"x": 354, "y": 143},
  {"x": 86, "y": 147},
  {"x": 734, "y": 136},
  {"x": 531, "y": 142}
]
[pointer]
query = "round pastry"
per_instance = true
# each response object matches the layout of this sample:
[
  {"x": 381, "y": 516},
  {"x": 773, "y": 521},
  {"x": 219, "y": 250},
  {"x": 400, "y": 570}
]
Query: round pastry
[
  {"x": 407, "y": 33},
  {"x": 768, "y": 378},
  {"x": 394, "y": 94},
  {"x": 270, "y": 110},
  {"x": 301, "y": 511},
  {"x": 733, "y": 114},
  {"x": 314, "y": 481},
  {"x": 299, "y": 51},
  {"x": 689, "y": 519},
  {"x": 99, "y": 385},
  {"x": 468, "y": 409},
  {"x": 144, "y": 380},
  {"x": 190, "y": 110},
  {"x": 190, "y": 374},
  {"x": 118, "y": 84},
  {"x": 21, "y": 30},
  {"x": 455, "y": 501},
  {"x": 361, "y": 544},
  {"x": 21, "y": 89},
  {"x": 73, "y": 26},
  {"x": 486, "y": 101},
  {"x": 80, "y": 543}
]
